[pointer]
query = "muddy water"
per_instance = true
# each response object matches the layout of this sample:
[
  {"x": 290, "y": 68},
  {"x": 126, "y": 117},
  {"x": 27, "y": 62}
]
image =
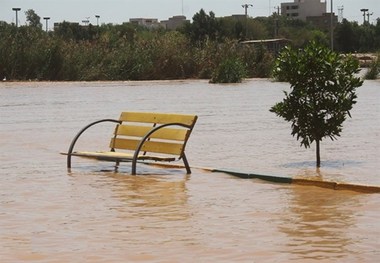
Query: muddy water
[{"x": 93, "y": 214}]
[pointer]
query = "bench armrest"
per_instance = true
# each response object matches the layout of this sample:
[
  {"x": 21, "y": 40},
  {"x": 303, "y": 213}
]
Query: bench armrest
[
  {"x": 71, "y": 148},
  {"x": 145, "y": 138}
]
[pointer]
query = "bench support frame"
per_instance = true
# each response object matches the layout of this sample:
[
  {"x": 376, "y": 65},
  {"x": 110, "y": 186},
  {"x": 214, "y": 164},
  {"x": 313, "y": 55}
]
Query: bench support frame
[{"x": 74, "y": 141}]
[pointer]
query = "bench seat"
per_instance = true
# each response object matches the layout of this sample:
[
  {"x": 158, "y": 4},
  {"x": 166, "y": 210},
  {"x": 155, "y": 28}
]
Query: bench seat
[{"x": 121, "y": 156}]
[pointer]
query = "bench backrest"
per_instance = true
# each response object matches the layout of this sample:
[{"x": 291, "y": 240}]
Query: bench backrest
[{"x": 167, "y": 140}]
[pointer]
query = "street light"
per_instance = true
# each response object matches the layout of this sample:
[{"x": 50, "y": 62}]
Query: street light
[
  {"x": 16, "y": 9},
  {"x": 86, "y": 21},
  {"x": 331, "y": 26},
  {"x": 368, "y": 15},
  {"x": 364, "y": 10},
  {"x": 97, "y": 19},
  {"x": 46, "y": 19},
  {"x": 245, "y": 6}
]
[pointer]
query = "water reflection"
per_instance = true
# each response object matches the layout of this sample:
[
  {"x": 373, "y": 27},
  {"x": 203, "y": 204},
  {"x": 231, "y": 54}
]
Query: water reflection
[
  {"x": 163, "y": 196},
  {"x": 319, "y": 222},
  {"x": 335, "y": 164}
]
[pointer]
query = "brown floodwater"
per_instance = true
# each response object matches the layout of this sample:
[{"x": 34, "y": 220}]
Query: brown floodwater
[{"x": 94, "y": 214}]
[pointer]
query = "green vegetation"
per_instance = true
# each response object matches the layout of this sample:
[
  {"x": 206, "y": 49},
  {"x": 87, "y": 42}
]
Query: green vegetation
[
  {"x": 322, "y": 93},
  {"x": 209, "y": 47},
  {"x": 121, "y": 52},
  {"x": 230, "y": 70},
  {"x": 374, "y": 69}
]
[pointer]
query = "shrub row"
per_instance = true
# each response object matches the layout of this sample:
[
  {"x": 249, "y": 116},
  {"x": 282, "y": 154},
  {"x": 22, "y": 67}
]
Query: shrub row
[{"x": 30, "y": 53}]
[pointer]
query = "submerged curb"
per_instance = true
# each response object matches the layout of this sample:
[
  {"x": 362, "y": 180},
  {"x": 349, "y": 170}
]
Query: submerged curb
[
  {"x": 339, "y": 186},
  {"x": 289, "y": 180},
  {"x": 298, "y": 181},
  {"x": 269, "y": 178}
]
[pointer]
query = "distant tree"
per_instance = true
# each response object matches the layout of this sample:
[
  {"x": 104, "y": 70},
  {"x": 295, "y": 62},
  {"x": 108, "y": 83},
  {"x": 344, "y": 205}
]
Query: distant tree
[
  {"x": 204, "y": 27},
  {"x": 255, "y": 29},
  {"x": 367, "y": 38},
  {"x": 74, "y": 31},
  {"x": 377, "y": 34},
  {"x": 352, "y": 37},
  {"x": 345, "y": 40},
  {"x": 231, "y": 28},
  {"x": 33, "y": 19},
  {"x": 322, "y": 93}
]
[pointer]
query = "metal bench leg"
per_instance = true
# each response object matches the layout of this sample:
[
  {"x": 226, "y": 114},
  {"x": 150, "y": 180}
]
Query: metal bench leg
[
  {"x": 134, "y": 163},
  {"x": 188, "y": 170},
  {"x": 69, "y": 161}
]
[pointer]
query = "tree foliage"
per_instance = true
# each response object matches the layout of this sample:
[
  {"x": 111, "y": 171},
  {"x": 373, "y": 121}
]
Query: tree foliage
[
  {"x": 351, "y": 37},
  {"x": 33, "y": 19},
  {"x": 230, "y": 70},
  {"x": 204, "y": 27},
  {"x": 323, "y": 85},
  {"x": 374, "y": 69}
]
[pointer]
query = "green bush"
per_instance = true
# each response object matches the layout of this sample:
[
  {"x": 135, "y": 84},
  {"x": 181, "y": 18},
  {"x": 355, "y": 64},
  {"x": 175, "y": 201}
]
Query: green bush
[
  {"x": 374, "y": 69},
  {"x": 230, "y": 70}
]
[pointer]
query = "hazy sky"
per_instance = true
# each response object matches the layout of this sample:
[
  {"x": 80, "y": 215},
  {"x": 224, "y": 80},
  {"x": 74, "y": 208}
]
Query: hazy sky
[{"x": 118, "y": 11}]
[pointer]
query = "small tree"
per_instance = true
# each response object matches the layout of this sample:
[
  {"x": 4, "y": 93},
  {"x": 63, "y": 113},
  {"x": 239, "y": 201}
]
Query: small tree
[
  {"x": 322, "y": 93},
  {"x": 33, "y": 19},
  {"x": 204, "y": 27}
]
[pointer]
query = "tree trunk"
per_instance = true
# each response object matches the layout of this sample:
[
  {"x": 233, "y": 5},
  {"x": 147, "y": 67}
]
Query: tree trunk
[{"x": 318, "y": 155}]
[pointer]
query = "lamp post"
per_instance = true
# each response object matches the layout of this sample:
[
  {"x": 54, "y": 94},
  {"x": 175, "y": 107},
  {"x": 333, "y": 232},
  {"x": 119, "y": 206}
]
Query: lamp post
[
  {"x": 246, "y": 6},
  {"x": 46, "y": 19},
  {"x": 86, "y": 21},
  {"x": 97, "y": 19},
  {"x": 364, "y": 10},
  {"x": 368, "y": 15},
  {"x": 16, "y": 9},
  {"x": 332, "y": 26}
]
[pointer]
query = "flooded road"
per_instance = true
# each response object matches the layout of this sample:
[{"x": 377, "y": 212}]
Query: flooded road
[{"x": 93, "y": 214}]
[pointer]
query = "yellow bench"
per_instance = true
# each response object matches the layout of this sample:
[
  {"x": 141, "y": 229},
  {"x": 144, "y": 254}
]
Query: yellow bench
[{"x": 143, "y": 136}]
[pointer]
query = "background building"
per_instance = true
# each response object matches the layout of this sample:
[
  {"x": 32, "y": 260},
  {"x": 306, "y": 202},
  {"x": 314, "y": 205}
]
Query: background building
[
  {"x": 147, "y": 22},
  {"x": 323, "y": 21},
  {"x": 174, "y": 22},
  {"x": 301, "y": 9}
]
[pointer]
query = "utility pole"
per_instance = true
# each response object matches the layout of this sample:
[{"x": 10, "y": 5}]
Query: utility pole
[
  {"x": 97, "y": 19},
  {"x": 86, "y": 21},
  {"x": 46, "y": 19},
  {"x": 340, "y": 13},
  {"x": 368, "y": 14},
  {"x": 332, "y": 26},
  {"x": 16, "y": 9},
  {"x": 364, "y": 10},
  {"x": 276, "y": 15},
  {"x": 246, "y": 6}
]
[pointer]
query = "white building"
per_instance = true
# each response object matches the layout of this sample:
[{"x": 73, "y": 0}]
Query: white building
[{"x": 301, "y": 9}]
